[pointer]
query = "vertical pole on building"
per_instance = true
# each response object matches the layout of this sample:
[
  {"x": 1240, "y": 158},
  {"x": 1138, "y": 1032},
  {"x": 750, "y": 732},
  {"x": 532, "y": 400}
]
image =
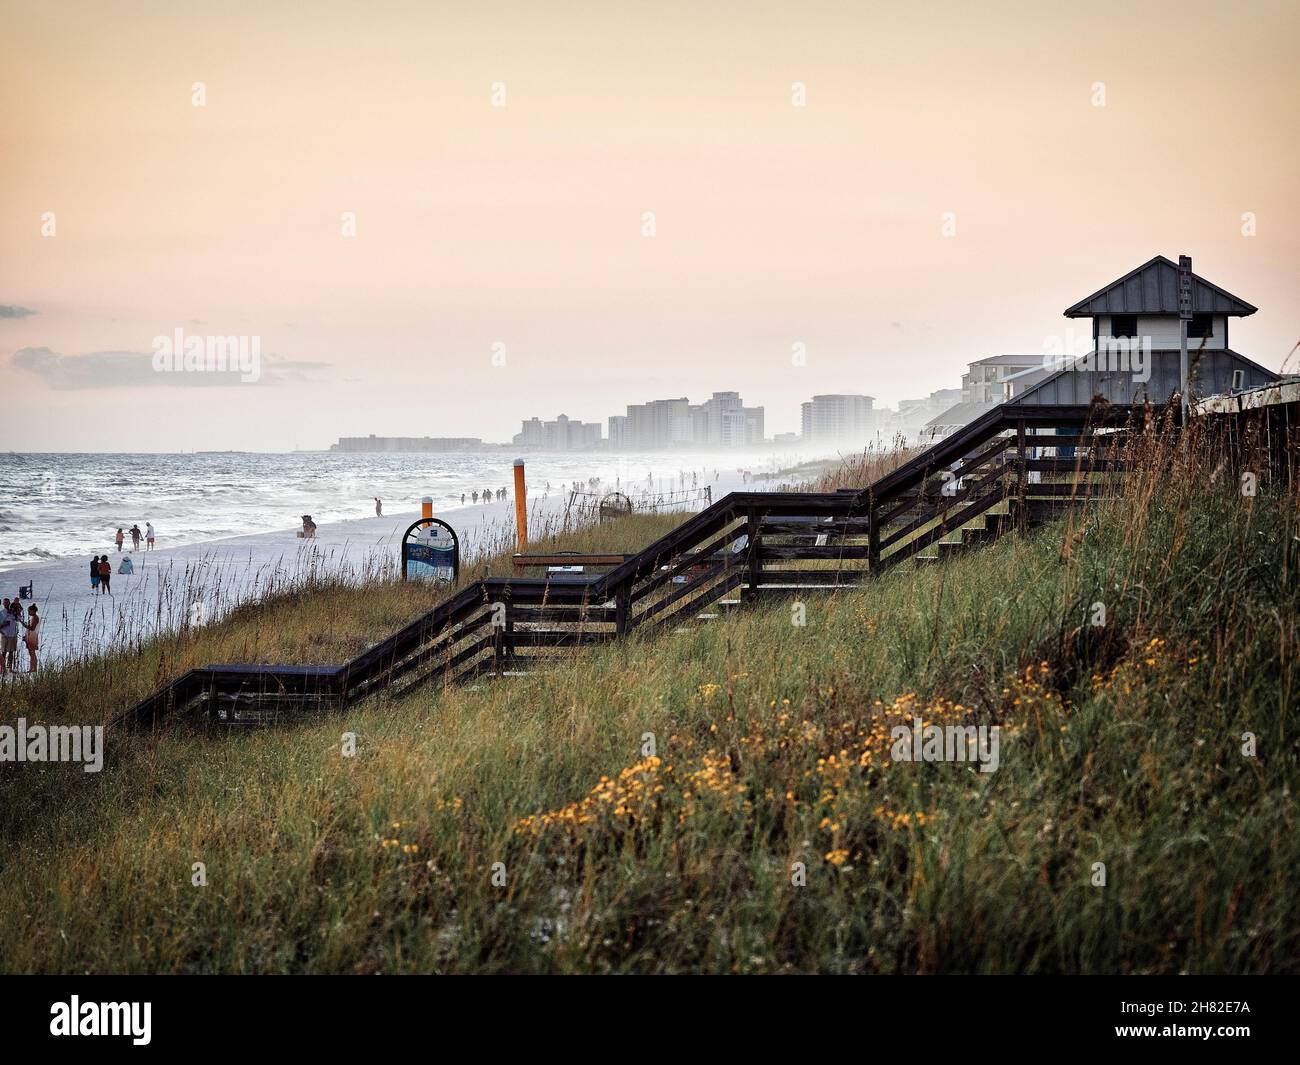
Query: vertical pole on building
[
  {"x": 521, "y": 508},
  {"x": 1184, "y": 316},
  {"x": 1182, "y": 366}
]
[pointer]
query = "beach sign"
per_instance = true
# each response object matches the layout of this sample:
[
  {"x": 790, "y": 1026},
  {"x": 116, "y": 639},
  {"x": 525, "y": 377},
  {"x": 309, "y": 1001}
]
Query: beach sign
[{"x": 430, "y": 551}]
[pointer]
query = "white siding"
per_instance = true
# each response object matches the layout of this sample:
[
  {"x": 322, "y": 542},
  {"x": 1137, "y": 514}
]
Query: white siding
[{"x": 1164, "y": 332}]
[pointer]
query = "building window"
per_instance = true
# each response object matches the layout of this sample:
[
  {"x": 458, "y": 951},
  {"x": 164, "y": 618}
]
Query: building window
[
  {"x": 1201, "y": 326},
  {"x": 1124, "y": 325}
]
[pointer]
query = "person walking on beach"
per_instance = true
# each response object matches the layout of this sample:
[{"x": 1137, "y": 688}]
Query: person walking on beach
[
  {"x": 475, "y": 495},
  {"x": 32, "y": 638},
  {"x": 135, "y": 537},
  {"x": 462, "y": 499},
  {"x": 94, "y": 573},
  {"x": 121, "y": 536},
  {"x": 105, "y": 576},
  {"x": 379, "y": 507},
  {"x": 148, "y": 535}
]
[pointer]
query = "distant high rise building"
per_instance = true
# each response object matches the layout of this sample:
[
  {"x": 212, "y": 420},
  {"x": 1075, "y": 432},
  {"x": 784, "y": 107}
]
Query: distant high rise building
[
  {"x": 837, "y": 419},
  {"x": 724, "y": 421},
  {"x": 619, "y": 433},
  {"x": 407, "y": 443},
  {"x": 563, "y": 434},
  {"x": 659, "y": 423},
  {"x": 721, "y": 421},
  {"x": 532, "y": 434}
]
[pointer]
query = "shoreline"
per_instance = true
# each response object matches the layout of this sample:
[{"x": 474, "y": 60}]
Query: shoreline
[{"x": 199, "y": 583}]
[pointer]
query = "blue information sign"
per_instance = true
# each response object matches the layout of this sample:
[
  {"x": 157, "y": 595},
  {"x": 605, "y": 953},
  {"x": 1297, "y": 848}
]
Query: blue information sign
[{"x": 430, "y": 551}]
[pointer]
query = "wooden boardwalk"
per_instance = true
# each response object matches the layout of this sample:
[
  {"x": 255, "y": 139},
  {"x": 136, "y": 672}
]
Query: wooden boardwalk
[{"x": 1006, "y": 470}]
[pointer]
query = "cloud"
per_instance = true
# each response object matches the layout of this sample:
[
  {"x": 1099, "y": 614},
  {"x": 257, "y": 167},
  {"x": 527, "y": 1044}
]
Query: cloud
[
  {"x": 8, "y": 311},
  {"x": 134, "y": 369}
]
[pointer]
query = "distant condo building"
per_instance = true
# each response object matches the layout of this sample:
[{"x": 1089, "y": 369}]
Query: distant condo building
[
  {"x": 722, "y": 421},
  {"x": 407, "y": 443},
  {"x": 563, "y": 434},
  {"x": 914, "y": 413},
  {"x": 837, "y": 419},
  {"x": 983, "y": 380}
]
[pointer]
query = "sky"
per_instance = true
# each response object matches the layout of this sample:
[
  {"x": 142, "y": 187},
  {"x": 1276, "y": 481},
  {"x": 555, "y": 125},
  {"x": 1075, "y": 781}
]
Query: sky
[{"x": 439, "y": 219}]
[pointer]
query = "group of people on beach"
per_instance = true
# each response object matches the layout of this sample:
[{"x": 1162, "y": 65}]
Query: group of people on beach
[
  {"x": 11, "y": 624},
  {"x": 101, "y": 570},
  {"x": 487, "y": 493},
  {"x": 135, "y": 535}
]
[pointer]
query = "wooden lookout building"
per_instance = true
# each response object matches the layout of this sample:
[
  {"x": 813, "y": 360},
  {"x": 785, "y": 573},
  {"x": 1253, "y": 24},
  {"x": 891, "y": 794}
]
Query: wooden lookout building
[{"x": 1139, "y": 313}]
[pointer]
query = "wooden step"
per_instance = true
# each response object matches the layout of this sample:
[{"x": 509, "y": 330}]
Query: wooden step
[{"x": 997, "y": 524}]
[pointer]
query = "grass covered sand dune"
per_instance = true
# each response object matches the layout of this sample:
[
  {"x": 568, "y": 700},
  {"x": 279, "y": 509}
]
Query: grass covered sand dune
[{"x": 724, "y": 798}]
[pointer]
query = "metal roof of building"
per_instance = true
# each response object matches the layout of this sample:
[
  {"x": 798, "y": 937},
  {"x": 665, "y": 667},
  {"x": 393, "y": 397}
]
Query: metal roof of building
[
  {"x": 1008, "y": 360},
  {"x": 1153, "y": 289},
  {"x": 1210, "y": 374},
  {"x": 959, "y": 415}
]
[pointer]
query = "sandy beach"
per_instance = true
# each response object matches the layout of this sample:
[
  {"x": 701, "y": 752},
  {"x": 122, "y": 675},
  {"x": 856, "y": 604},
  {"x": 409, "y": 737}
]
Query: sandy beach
[{"x": 201, "y": 582}]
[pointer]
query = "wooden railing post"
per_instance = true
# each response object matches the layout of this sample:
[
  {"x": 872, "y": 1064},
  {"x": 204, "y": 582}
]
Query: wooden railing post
[
  {"x": 754, "y": 561},
  {"x": 873, "y": 535},
  {"x": 1022, "y": 475},
  {"x": 622, "y": 608},
  {"x": 503, "y": 638}
]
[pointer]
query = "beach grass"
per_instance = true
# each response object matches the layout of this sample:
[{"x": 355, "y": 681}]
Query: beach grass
[{"x": 723, "y": 798}]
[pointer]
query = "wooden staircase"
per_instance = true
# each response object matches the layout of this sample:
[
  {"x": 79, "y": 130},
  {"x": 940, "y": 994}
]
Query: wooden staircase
[{"x": 1009, "y": 469}]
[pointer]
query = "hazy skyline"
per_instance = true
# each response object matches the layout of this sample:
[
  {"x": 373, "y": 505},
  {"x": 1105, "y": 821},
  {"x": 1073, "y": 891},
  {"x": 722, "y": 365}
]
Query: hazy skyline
[{"x": 522, "y": 225}]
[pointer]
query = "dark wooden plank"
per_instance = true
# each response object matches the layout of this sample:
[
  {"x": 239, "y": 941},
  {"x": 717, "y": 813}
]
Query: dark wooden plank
[{"x": 830, "y": 553}]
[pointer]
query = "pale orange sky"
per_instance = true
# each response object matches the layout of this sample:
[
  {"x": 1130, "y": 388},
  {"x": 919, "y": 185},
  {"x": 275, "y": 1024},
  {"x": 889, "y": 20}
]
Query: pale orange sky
[{"x": 521, "y": 225}]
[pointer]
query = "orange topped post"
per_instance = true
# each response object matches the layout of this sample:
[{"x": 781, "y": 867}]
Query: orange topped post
[{"x": 521, "y": 508}]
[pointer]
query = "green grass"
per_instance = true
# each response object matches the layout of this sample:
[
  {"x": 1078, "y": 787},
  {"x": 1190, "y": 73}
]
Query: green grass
[{"x": 1121, "y": 744}]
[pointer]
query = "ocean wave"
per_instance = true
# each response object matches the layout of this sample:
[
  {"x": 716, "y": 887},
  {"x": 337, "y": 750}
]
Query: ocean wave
[{"x": 30, "y": 554}]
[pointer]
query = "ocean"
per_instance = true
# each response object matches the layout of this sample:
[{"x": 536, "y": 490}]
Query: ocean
[{"x": 55, "y": 506}]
